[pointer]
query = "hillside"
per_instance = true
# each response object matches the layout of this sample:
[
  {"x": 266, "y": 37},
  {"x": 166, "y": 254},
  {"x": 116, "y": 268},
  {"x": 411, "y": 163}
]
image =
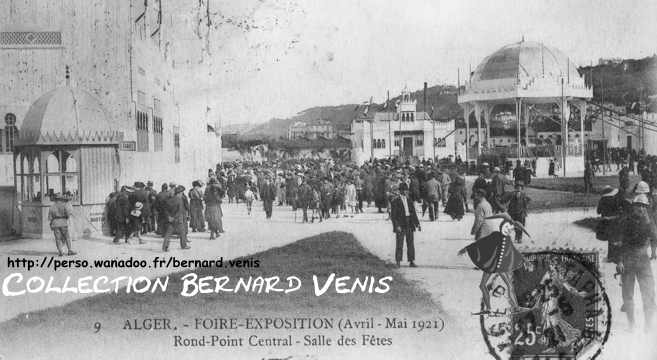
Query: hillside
[
  {"x": 442, "y": 98},
  {"x": 623, "y": 81}
]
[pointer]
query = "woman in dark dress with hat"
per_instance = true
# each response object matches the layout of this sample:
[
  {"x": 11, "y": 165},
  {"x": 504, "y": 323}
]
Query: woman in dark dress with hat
[
  {"x": 457, "y": 201},
  {"x": 197, "y": 223},
  {"x": 213, "y": 214}
]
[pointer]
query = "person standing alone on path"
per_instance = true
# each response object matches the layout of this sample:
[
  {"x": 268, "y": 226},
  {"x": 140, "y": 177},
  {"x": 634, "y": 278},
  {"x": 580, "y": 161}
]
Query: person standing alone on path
[
  {"x": 268, "y": 195},
  {"x": 248, "y": 199},
  {"x": 404, "y": 222},
  {"x": 518, "y": 202},
  {"x": 588, "y": 177},
  {"x": 58, "y": 215},
  {"x": 433, "y": 194}
]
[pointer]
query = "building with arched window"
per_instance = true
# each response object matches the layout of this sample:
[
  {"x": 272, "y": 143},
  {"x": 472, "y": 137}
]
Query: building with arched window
[{"x": 95, "y": 95}]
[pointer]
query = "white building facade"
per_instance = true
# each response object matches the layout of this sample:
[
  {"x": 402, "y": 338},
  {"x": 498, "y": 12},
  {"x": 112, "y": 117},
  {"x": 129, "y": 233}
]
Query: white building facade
[{"x": 405, "y": 133}]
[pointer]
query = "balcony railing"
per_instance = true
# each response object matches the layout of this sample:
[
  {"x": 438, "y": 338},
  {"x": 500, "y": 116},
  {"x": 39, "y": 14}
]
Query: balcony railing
[{"x": 511, "y": 151}]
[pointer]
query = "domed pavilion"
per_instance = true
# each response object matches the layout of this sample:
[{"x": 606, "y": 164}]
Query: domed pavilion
[
  {"x": 67, "y": 145},
  {"x": 517, "y": 90}
]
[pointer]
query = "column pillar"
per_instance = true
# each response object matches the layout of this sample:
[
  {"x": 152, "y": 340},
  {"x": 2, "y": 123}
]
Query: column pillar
[
  {"x": 489, "y": 112},
  {"x": 478, "y": 117},
  {"x": 466, "y": 115},
  {"x": 565, "y": 115},
  {"x": 525, "y": 115},
  {"x": 518, "y": 106},
  {"x": 582, "y": 117}
]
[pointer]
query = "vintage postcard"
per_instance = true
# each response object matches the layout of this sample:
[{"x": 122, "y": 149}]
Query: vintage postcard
[{"x": 315, "y": 179}]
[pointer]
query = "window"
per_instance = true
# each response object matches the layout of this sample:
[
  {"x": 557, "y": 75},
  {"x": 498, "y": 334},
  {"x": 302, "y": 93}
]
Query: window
[
  {"x": 440, "y": 142},
  {"x": 176, "y": 143},
  {"x": 396, "y": 142},
  {"x": 419, "y": 141},
  {"x": 158, "y": 128},
  {"x": 9, "y": 135},
  {"x": 28, "y": 176},
  {"x": 62, "y": 174},
  {"x": 142, "y": 131}
]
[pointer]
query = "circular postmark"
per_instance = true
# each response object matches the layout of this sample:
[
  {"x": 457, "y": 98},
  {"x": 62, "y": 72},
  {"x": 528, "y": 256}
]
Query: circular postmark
[{"x": 562, "y": 309}]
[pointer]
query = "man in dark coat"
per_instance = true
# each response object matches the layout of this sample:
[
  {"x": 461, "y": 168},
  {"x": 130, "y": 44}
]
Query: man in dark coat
[
  {"x": 304, "y": 197},
  {"x": 176, "y": 219},
  {"x": 404, "y": 222},
  {"x": 159, "y": 207},
  {"x": 326, "y": 197},
  {"x": 268, "y": 195},
  {"x": 149, "y": 221},
  {"x": 623, "y": 179},
  {"x": 496, "y": 190},
  {"x": 638, "y": 234},
  {"x": 517, "y": 205},
  {"x": 122, "y": 215}
]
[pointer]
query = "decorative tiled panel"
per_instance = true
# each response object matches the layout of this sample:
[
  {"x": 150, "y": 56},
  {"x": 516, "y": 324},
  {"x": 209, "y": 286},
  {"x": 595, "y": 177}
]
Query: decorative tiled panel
[{"x": 29, "y": 39}]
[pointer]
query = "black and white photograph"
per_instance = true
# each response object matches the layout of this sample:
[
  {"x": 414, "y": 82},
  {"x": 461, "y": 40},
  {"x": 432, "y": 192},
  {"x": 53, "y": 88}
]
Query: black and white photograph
[{"x": 328, "y": 179}]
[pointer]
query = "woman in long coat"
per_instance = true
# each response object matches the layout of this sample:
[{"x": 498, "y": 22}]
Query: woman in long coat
[
  {"x": 213, "y": 214},
  {"x": 197, "y": 223},
  {"x": 457, "y": 201}
]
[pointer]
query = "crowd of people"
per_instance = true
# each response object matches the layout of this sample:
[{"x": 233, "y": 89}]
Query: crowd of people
[{"x": 139, "y": 209}]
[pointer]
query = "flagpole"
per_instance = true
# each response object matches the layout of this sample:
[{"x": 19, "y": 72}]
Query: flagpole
[
  {"x": 433, "y": 138},
  {"x": 389, "y": 129}
]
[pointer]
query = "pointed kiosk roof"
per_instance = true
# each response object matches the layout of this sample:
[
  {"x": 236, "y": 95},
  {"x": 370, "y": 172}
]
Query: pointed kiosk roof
[{"x": 67, "y": 116}]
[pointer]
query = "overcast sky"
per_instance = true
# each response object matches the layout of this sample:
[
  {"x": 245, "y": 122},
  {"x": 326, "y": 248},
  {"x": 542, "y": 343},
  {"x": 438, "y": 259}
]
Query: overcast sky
[{"x": 303, "y": 53}]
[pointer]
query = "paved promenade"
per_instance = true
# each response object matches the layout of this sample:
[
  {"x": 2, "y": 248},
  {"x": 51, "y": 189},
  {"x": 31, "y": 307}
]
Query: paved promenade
[{"x": 451, "y": 280}]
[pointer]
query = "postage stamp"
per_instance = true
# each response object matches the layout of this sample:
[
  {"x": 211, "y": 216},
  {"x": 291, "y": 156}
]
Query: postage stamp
[{"x": 562, "y": 310}]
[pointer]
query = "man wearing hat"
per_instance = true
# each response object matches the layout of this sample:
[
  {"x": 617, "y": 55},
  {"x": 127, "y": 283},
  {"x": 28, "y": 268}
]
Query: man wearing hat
[
  {"x": 149, "y": 221},
  {"x": 517, "y": 203},
  {"x": 404, "y": 222},
  {"x": 433, "y": 192},
  {"x": 160, "y": 209},
  {"x": 177, "y": 219},
  {"x": 58, "y": 215},
  {"x": 496, "y": 189},
  {"x": 267, "y": 195},
  {"x": 139, "y": 196},
  {"x": 637, "y": 234},
  {"x": 122, "y": 215}
]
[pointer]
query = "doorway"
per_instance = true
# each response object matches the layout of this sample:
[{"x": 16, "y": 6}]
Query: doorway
[
  {"x": 629, "y": 143},
  {"x": 407, "y": 149}
]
